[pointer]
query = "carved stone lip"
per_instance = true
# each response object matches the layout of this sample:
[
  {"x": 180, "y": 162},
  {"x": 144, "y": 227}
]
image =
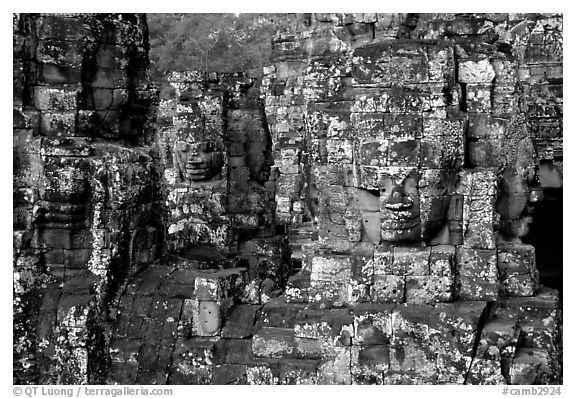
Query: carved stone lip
[
  {"x": 528, "y": 219},
  {"x": 400, "y": 226},
  {"x": 398, "y": 206},
  {"x": 400, "y": 214},
  {"x": 406, "y": 220},
  {"x": 198, "y": 170}
]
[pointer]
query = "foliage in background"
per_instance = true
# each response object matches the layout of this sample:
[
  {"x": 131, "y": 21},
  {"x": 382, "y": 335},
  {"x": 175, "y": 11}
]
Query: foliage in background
[{"x": 212, "y": 42}]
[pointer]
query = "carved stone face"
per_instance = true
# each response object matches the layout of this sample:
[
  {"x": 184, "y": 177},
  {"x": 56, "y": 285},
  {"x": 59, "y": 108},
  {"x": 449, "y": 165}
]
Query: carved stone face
[
  {"x": 400, "y": 206},
  {"x": 513, "y": 204},
  {"x": 199, "y": 161},
  {"x": 259, "y": 155},
  {"x": 517, "y": 191},
  {"x": 414, "y": 203}
]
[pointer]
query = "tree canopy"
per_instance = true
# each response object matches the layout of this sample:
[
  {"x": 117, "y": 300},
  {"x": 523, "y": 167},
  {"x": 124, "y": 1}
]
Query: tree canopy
[{"x": 212, "y": 42}]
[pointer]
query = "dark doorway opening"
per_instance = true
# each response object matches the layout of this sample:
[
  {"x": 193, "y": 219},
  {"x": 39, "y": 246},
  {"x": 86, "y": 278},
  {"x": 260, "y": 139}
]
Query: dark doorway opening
[{"x": 546, "y": 236}]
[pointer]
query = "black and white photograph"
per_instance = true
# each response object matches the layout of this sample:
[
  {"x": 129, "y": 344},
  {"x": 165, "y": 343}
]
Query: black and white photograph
[{"x": 287, "y": 199}]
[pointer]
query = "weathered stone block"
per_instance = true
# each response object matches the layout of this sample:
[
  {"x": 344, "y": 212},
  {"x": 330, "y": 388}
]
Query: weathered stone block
[
  {"x": 477, "y": 288},
  {"x": 263, "y": 372},
  {"x": 298, "y": 371},
  {"x": 504, "y": 98},
  {"x": 362, "y": 263},
  {"x": 331, "y": 268},
  {"x": 485, "y": 126},
  {"x": 59, "y": 74},
  {"x": 371, "y": 100},
  {"x": 234, "y": 351},
  {"x": 65, "y": 146},
  {"x": 402, "y": 127},
  {"x": 538, "y": 320},
  {"x": 388, "y": 289},
  {"x": 531, "y": 366},
  {"x": 171, "y": 287},
  {"x": 58, "y": 99},
  {"x": 516, "y": 259},
  {"x": 278, "y": 313},
  {"x": 58, "y": 123},
  {"x": 310, "y": 348},
  {"x": 372, "y": 324},
  {"x": 216, "y": 285},
  {"x": 410, "y": 320},
  {"x": 125, "y": 350},
  {"x": 478, "y": 274},
  {"x": 470, "y": 71},
  {"x": 240, "y": 323},
  {"x": 383, "y": 260},
  {"x": 123, "y": 373},
  {"x": 368, "y": 126},
  {"x": 495, "y": 351},
  {"x": 442, "y": 260},
  {"x": 272, "y": 246},
  {"x": 411, "y": 261},
  {"x": 208, "y": 318},
  {"x": 334, "y": 327},
  {"x": 485, "y": 372},
  {"x": 370, "y": 360},
  {"x": 452, "y": 368},
  {"x": 429, "y": 289},
  {"x": 479, "y": 190},
  {"x": 339, "y": 151},
  {"x": 63, "y": 28},
  {"x": 201, "y": 318},
  {"x": 273, "y": 343},
  {"x": 404, "y": 154},
  {"x": 141, "y": 305},
  {"x": 478, "y": 98},
  {"x": 484, "y": 153},
  {"x": 413, "y": 354},
  {"x": 192, "y": 361},
  {"x": 229, "y": 375},
  {"x": 372, "y": 153},
  {"x": 335, "y": 369},
  {"x": 371, "y": 227},
  {"x": 453, "y": 328},
  {"x": 521, "y": 285},
  {"x": 169, "y": 333},
  {"x": 194, "y": 351},
  {"x": 440, "y": 62}
]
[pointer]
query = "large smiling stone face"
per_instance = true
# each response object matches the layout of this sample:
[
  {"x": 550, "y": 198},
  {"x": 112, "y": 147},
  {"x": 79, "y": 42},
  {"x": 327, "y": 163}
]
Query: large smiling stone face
[
  {"x": 199, "y": 161},
  {"x": 400, "y": 205},
  {"x": 518, "y": 190}
]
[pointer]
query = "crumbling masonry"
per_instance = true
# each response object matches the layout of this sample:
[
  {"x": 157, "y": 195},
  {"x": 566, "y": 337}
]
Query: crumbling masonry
[{"x": 352, "y": 214}]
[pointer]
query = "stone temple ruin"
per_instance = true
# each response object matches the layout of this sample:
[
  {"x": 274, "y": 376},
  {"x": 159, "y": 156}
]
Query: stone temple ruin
[{"x": 354, "y": 213}]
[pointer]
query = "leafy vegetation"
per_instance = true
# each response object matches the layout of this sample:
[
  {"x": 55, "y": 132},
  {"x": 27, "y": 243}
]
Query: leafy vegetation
[{"x": 212, "y": 42}]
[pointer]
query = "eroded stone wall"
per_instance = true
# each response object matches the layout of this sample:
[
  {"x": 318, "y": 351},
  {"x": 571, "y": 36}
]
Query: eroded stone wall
[
  {"x": 411, "y": 145},
  {"x": 87, "y": 199}
]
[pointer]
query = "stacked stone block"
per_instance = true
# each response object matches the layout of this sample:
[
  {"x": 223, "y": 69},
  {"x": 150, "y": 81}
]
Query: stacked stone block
[
  {"x": 215, "y": 117},
  {"x": 94, "y": 197},
  {"x": 398, "y": 105},
  {"x": 540, "y": 48},
  {"x": 182, "y": 326},
  {"x": 370, "y": 343},
  {"x": 191, "y": 115}
]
